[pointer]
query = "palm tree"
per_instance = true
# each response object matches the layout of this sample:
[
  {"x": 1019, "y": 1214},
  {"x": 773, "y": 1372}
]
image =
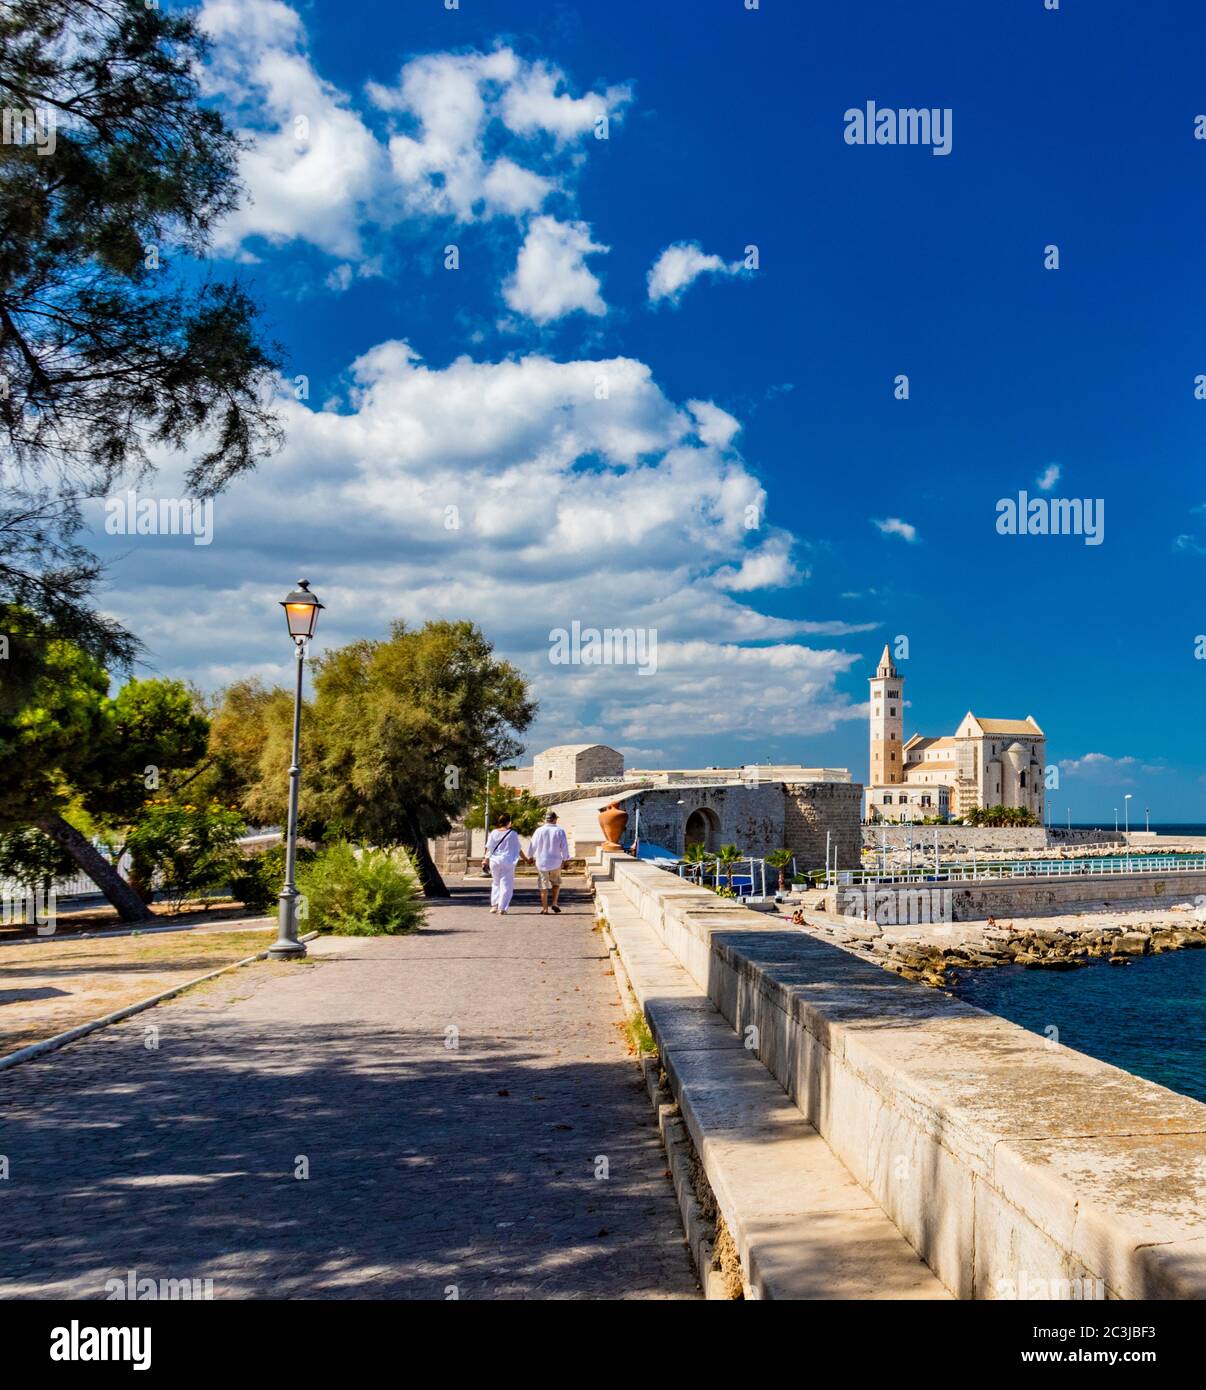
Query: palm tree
[
  {"x": 780, "y": 859},
  {"x": 697, "y": 856},
  {"x": 729, "y": 856}
]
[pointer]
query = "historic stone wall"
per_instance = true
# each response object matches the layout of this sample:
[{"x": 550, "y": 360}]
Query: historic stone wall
[
  {"x": 982, "y": 838},
  {"x": 812, "y": 808}
]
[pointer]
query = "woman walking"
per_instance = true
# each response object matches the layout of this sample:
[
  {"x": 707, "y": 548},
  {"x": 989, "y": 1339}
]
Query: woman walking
[{"x": 502, "y": 854}]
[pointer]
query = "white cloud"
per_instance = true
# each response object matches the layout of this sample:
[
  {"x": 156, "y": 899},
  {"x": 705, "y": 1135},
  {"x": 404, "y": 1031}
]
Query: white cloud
[
  {"x": 551, "y": 278},
  {"x": 893, "y": 526},
  {"x": 479, "y": 135},
  {"x": 533, "y": 104},
  {"x": 1048, "y": 478},
  {"x": 314, "y": 167},
  {"x": 509, "y": 493},
  {"x": 679, "y": 265},
  {"x": 715, "y": 426},
  {"x": 1102, "y": 768}
]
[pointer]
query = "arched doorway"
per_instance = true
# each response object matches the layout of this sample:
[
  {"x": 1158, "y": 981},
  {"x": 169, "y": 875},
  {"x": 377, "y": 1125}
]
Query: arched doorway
[{"x": 703, "y": 828}]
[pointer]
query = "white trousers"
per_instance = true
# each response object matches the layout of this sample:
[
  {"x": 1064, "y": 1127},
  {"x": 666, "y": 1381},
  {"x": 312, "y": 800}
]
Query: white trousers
[{"x": 502, "y": 883}]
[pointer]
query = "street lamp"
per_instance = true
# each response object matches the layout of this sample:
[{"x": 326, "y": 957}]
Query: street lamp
[
  {"x": 1126, "y": 810},
  {"x": 301, "y": 613}
]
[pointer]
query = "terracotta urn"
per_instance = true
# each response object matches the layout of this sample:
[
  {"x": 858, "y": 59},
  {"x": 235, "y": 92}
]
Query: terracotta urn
[{"x": 612, "y": 820}]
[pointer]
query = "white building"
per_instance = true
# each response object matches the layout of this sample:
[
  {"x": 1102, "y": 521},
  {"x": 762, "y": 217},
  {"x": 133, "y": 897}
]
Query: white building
[{"x": 985, "y": 762}]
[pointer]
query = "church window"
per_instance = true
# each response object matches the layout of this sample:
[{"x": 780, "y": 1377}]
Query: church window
[
  {"x": 892, "y": 711},
  {"x": 1023, "y": 780},
  {"x": 887, "y": 798}
]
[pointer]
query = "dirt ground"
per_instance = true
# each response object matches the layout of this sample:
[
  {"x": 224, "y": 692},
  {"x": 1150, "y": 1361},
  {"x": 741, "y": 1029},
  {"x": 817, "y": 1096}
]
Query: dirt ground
[
  {"x": 99, "y": 916},
  {"x": 57, "y": 983}
]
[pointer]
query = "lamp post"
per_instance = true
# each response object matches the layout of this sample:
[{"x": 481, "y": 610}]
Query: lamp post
[
  {"x": 301, "y": 613},
  {"x": 1126, "y": 809}
]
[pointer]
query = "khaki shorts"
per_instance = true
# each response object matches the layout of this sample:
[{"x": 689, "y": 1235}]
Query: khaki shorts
[{"x": 549, "y": 878}]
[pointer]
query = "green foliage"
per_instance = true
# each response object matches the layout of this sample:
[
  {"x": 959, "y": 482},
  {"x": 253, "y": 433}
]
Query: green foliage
[
  {"x": 63, "y": 738},
  {"x": 367, "y": 894},
  {"x": 525, "y": 811},
  {"x": 1000, "y": 816},
  {"x": 394, "y": 742},
  {"x": 189, "y": 847},
  {"x": 729, "y": 856},
  {"x": 32, "y": 859},
  {"x": 106, "y": 350},
  {"x": 780, "y": 859},
  {"x": 256, "y": 880}
]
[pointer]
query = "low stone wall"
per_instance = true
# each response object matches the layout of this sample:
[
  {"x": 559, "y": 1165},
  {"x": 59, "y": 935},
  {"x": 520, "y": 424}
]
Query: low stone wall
[
  {"x": 602, "y": 794},
  {"x": 984, "y": 839},
  {"x": 973, "y": 900},
  {"x": 1015, "y": 1167}
]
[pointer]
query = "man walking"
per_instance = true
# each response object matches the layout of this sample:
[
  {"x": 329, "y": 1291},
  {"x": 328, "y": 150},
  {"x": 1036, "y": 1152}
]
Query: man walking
[{"x": 549, "y": 851}]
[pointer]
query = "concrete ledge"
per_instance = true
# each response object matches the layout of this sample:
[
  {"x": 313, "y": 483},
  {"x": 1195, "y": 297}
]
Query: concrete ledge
[
  {"x": 803, "y": 1227},
  {"x": 1010, "y": 1164}
]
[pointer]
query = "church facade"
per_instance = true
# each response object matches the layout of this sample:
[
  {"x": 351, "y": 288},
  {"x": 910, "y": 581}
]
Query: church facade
[{"x": 985, "y": 762}]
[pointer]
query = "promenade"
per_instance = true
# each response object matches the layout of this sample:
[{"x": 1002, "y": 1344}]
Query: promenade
[{"x": 450, "y": 1114}]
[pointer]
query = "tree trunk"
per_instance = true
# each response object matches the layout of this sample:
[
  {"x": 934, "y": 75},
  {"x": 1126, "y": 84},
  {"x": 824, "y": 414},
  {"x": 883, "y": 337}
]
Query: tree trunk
[
  {"x": 130, "y": 907},
  {"x": 429, "y": 876}
]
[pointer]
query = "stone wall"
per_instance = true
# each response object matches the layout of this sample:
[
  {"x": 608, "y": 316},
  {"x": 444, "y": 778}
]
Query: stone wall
[
  {"x": 978, "y": 899},
  {"x": 812, "y": 808},
  {"x": 1015, "y": 1167},
  {"x": 982, "y": 838},
  {"x": 451, "y": 852},
  {"x": 750, "y": 817}
]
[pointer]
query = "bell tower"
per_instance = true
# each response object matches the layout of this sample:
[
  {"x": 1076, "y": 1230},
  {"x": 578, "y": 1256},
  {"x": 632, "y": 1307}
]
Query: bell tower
[{"x": 887, "y": 723}]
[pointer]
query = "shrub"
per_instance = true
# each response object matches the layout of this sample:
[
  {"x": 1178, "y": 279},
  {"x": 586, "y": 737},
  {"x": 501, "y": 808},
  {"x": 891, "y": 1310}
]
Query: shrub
[
  {"x": 188, "y": 849},
  {"x": 368, "y": 893},
  {"x": 256, "y": 881}
]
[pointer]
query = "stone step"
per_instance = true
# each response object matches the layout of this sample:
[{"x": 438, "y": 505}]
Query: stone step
[{"x": 804, "y": 1228}]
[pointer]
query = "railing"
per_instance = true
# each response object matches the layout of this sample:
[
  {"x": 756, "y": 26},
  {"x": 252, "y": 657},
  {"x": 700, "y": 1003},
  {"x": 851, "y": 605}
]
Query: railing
[{"x": 1038, "y": 869}]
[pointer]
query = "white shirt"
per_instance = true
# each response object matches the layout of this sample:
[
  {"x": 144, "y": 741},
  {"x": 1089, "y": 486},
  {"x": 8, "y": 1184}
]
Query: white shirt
[
  {"x": 549, "y": 847},
  {"x": 503, "y": 845}
]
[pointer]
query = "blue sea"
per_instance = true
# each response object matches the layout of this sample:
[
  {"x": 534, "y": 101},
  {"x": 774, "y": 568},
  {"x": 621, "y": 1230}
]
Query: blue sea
[{"x": 1148, "y": 1017}]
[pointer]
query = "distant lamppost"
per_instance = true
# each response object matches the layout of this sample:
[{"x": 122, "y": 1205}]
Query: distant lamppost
[
  {"x": 1126, "y": 808},
  {"x": 1147, "y": 823},
  {"x": 301, "y": 613}
]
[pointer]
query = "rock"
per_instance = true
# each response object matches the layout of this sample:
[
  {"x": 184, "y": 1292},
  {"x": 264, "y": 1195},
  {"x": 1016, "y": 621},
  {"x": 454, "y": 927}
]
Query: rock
[
  {"x": 1131, "y": 943},
  {"x": 1119, "y": 960}
]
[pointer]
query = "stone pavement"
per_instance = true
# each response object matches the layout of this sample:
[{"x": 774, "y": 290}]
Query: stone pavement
[{"x": 463, "y": 1100}]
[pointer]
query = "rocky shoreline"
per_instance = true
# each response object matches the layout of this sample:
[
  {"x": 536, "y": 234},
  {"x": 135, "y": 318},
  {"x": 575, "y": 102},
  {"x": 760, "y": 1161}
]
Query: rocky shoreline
[{"x": 938, "y": 957}]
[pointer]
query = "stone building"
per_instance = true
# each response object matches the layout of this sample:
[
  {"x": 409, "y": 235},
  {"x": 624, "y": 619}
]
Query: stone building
[
  {"x": 571, "y": 764},
  {"x": 985, "y": 762},
  {"x": 756, "y": 817}
]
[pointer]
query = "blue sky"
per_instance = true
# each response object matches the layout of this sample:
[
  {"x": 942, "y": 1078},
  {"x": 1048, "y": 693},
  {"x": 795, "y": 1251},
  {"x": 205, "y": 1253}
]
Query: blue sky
[{"x": 768, "y": 389}]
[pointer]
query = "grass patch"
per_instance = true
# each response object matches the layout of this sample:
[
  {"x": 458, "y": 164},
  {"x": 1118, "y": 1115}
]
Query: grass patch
[{"x": 636, "y": 1030}]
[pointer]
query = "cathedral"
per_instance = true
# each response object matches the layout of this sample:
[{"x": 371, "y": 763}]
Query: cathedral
[{"x": 985, "y": 762}]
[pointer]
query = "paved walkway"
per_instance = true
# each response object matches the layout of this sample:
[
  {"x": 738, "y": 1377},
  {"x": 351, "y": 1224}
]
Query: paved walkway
[{"x": 472, "y": 1123}]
